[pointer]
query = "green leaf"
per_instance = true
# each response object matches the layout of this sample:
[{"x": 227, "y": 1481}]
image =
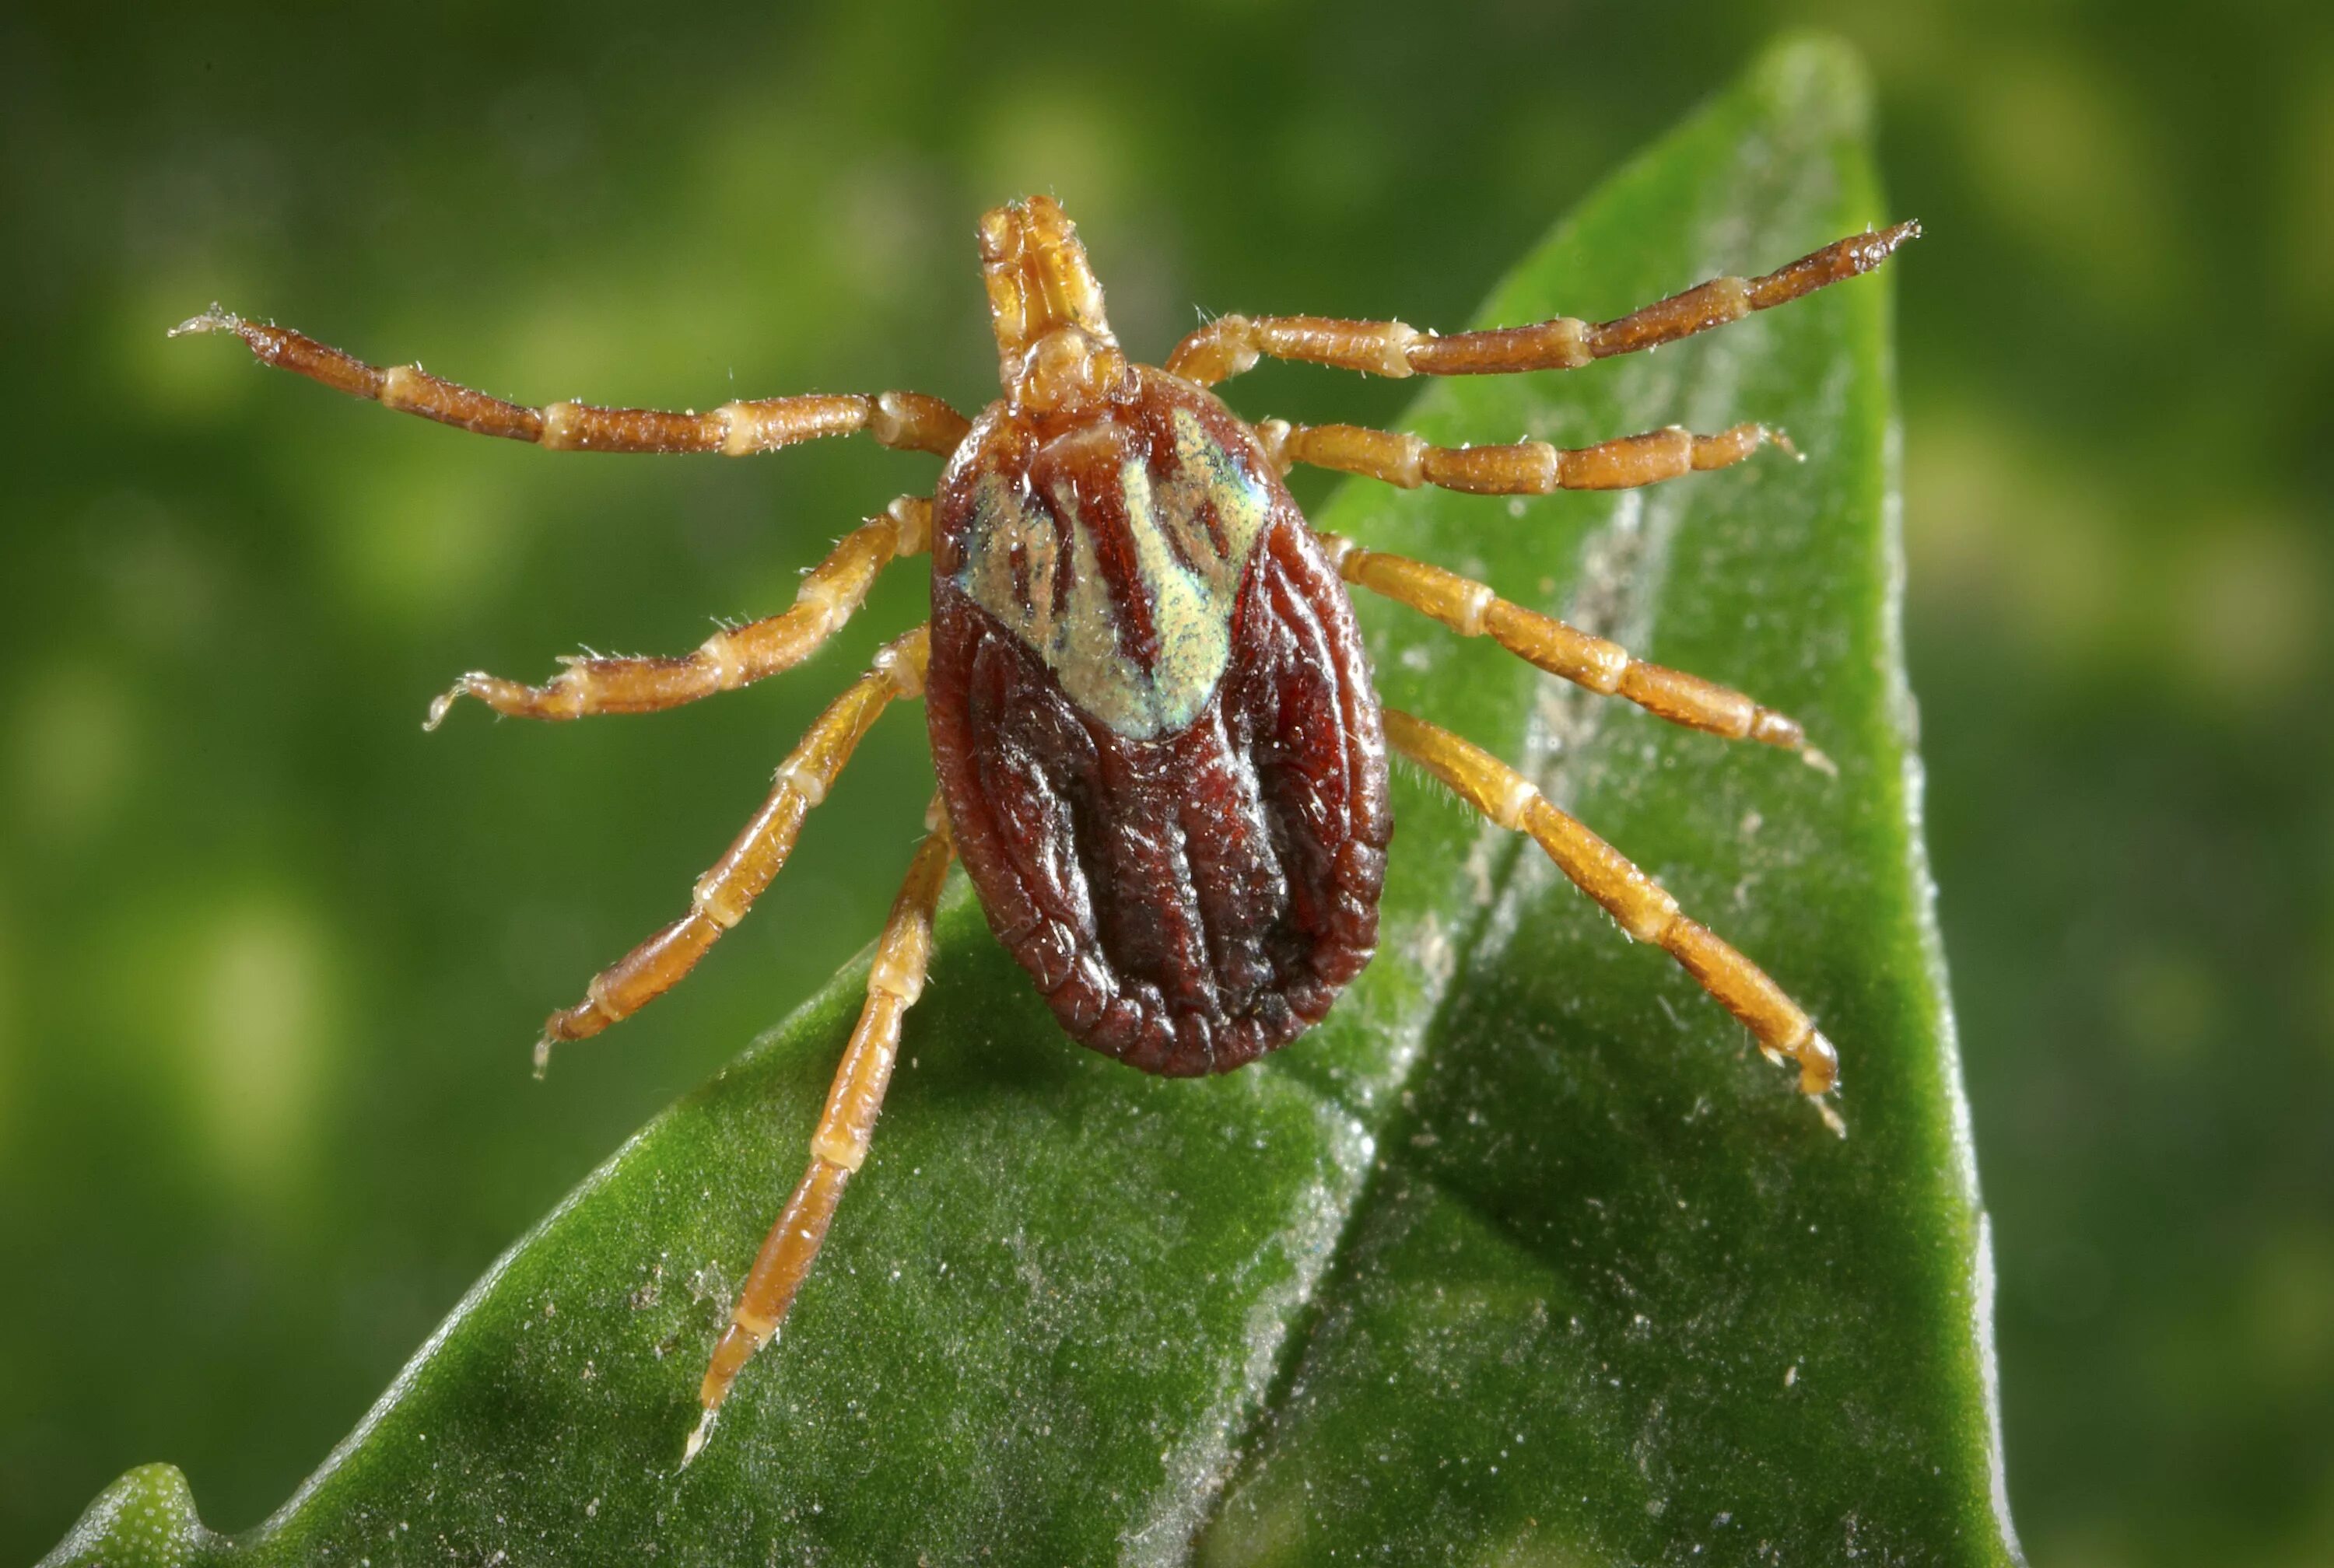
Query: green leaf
[{"x": 1523, "y": 1256}]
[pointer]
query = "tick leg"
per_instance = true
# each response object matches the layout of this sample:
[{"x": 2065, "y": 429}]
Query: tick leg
[
  {"x": 1471, "y": 610},
  {"x": 839, "y": 1145},
  {"x": 1627, "y": 894},
  {"x": 912, "y": 420},
  {"x": 1230, "y": 344},
  {"x": 1521, "y": 469},
  {"x": 731, "y": 658},
  {"x": 724, "y": 894}
]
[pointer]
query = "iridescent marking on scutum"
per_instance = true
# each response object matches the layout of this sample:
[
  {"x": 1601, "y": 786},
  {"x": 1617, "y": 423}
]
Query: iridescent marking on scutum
[{"x": 1190, "y": 577}]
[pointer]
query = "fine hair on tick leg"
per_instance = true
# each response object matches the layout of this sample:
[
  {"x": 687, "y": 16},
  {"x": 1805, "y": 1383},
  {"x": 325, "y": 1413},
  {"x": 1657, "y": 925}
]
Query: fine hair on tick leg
[
  {"x": 731, "y": 658},
  {"x": 725, "y": 893},
  {"x": 912, "y": 420},
  {"x": 1471, "y": 610},
  {"x": 1230, "y": 344},
  {"x": 1521, "y": 468},
  {"x": 839, "y": 1147},
  {"x": 1784, "y": 1033}
]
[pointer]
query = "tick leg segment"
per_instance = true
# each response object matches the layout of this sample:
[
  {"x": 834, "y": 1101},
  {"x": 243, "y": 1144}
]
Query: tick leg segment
[
  {"x": 912, "y": 420},
  {"x": 839, "y": 1145},
  {"x": 724, "y": 894},
  {"x": 1471, "y": 610},
  {"x": 729, "y": 659},
  {"x": 1627, "y": 894},
  {"x": 1230, "y": 344},
  {"x": 1521, "y": 469}
]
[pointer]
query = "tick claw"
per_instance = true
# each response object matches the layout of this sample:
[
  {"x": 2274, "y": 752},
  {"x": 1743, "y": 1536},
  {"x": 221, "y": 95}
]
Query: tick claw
[
  {"x": 1818, "y": 1066},
  {"x": 445, "y": 701},
  {"x": 542, "y": 1058},
  {"x": 697, "y": 1436},
  {"x": 213, "y": 319},
  {"x": 1819, "y": 762}
]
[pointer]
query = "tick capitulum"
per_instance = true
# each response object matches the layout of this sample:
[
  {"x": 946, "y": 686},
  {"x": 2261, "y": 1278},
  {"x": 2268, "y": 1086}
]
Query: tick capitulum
[{"x": 1160, "y": 756}]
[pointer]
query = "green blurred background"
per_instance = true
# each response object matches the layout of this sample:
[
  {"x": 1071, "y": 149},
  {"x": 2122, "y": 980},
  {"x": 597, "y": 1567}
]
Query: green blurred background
[{"x": 270, "y": 959}]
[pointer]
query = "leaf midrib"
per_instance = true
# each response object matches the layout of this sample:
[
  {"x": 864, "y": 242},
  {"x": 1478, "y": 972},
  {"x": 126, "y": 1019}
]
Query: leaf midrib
[
  {"x": 1478, "y": 945},
  {"x": 1634, "y": 587}
]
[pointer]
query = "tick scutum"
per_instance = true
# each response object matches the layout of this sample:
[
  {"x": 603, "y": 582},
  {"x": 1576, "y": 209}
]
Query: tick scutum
[{"x": 1154, "y": 726}]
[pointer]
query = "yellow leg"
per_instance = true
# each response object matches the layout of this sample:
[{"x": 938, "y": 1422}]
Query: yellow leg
[
  {"x": 1471, "y": 610},
  {"x": 1230, "y": 344},
  {"x": 1520, "y": 468},
  {"x": 839, "y": 1147},
  {"x": 729, "y": 659},
  {"x": 1628, "y": 894},
  {"x": 725, "y": 893},
  {"x": 912, "y": 420}
]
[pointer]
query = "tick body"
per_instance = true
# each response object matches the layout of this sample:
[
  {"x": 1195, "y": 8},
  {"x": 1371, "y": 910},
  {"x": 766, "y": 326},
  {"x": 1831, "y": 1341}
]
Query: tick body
[
  {"x": 1154, "y": 726},
  {"x": 1159, "y": 756}
]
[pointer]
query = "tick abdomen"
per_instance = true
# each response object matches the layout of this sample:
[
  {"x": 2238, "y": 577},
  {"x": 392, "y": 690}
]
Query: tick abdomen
[{"x": 1154, "y": 729}]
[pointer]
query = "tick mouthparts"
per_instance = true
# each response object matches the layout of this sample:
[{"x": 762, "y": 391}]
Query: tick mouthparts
[
  {"x": 1038, "y": 274},
  {"x": 1055, "y": 348}
]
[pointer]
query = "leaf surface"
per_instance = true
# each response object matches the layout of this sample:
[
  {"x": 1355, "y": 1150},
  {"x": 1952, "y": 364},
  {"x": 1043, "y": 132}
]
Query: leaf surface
[{"x": 1523, "y": 1256}]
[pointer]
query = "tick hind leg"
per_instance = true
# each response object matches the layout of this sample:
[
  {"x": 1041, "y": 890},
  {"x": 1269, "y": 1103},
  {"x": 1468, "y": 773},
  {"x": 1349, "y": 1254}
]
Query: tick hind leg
[
  {"x": 1643, "y": 910},
  {"x": 1230, "y": 344},
  {"x": 731, "y": 658},
  {"x": 913, "y": 420},
  {"x": 839, "y": 1146},
  {"x": 1471, "y": 610},
  {"x": 724, "y": 894}
]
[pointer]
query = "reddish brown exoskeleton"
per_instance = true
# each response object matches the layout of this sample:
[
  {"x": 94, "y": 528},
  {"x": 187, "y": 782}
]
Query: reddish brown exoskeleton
[{"x": 1160, "y": 758}]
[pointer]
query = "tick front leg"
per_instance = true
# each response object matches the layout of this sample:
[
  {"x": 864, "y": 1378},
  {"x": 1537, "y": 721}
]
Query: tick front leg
[
  {"x": 912, "y": 420},
  {"x": 1633, "y": 898},
  {"x": 839, "y": 1147},
  {"x": 1230, "y": 344},
  {"x": 724, "y": 894},
  {"x": 1520, "y": 468},
  {"x": 729, "y": 659},
  {"x": 1471, "y": 610}
]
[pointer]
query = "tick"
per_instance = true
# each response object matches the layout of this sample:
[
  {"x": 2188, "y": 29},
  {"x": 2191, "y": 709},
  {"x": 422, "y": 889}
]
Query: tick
[{"x": 1160, "y": 758}]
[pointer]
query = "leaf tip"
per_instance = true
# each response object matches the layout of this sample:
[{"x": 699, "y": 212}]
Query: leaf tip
[{"x": 1819, "y": 77}]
